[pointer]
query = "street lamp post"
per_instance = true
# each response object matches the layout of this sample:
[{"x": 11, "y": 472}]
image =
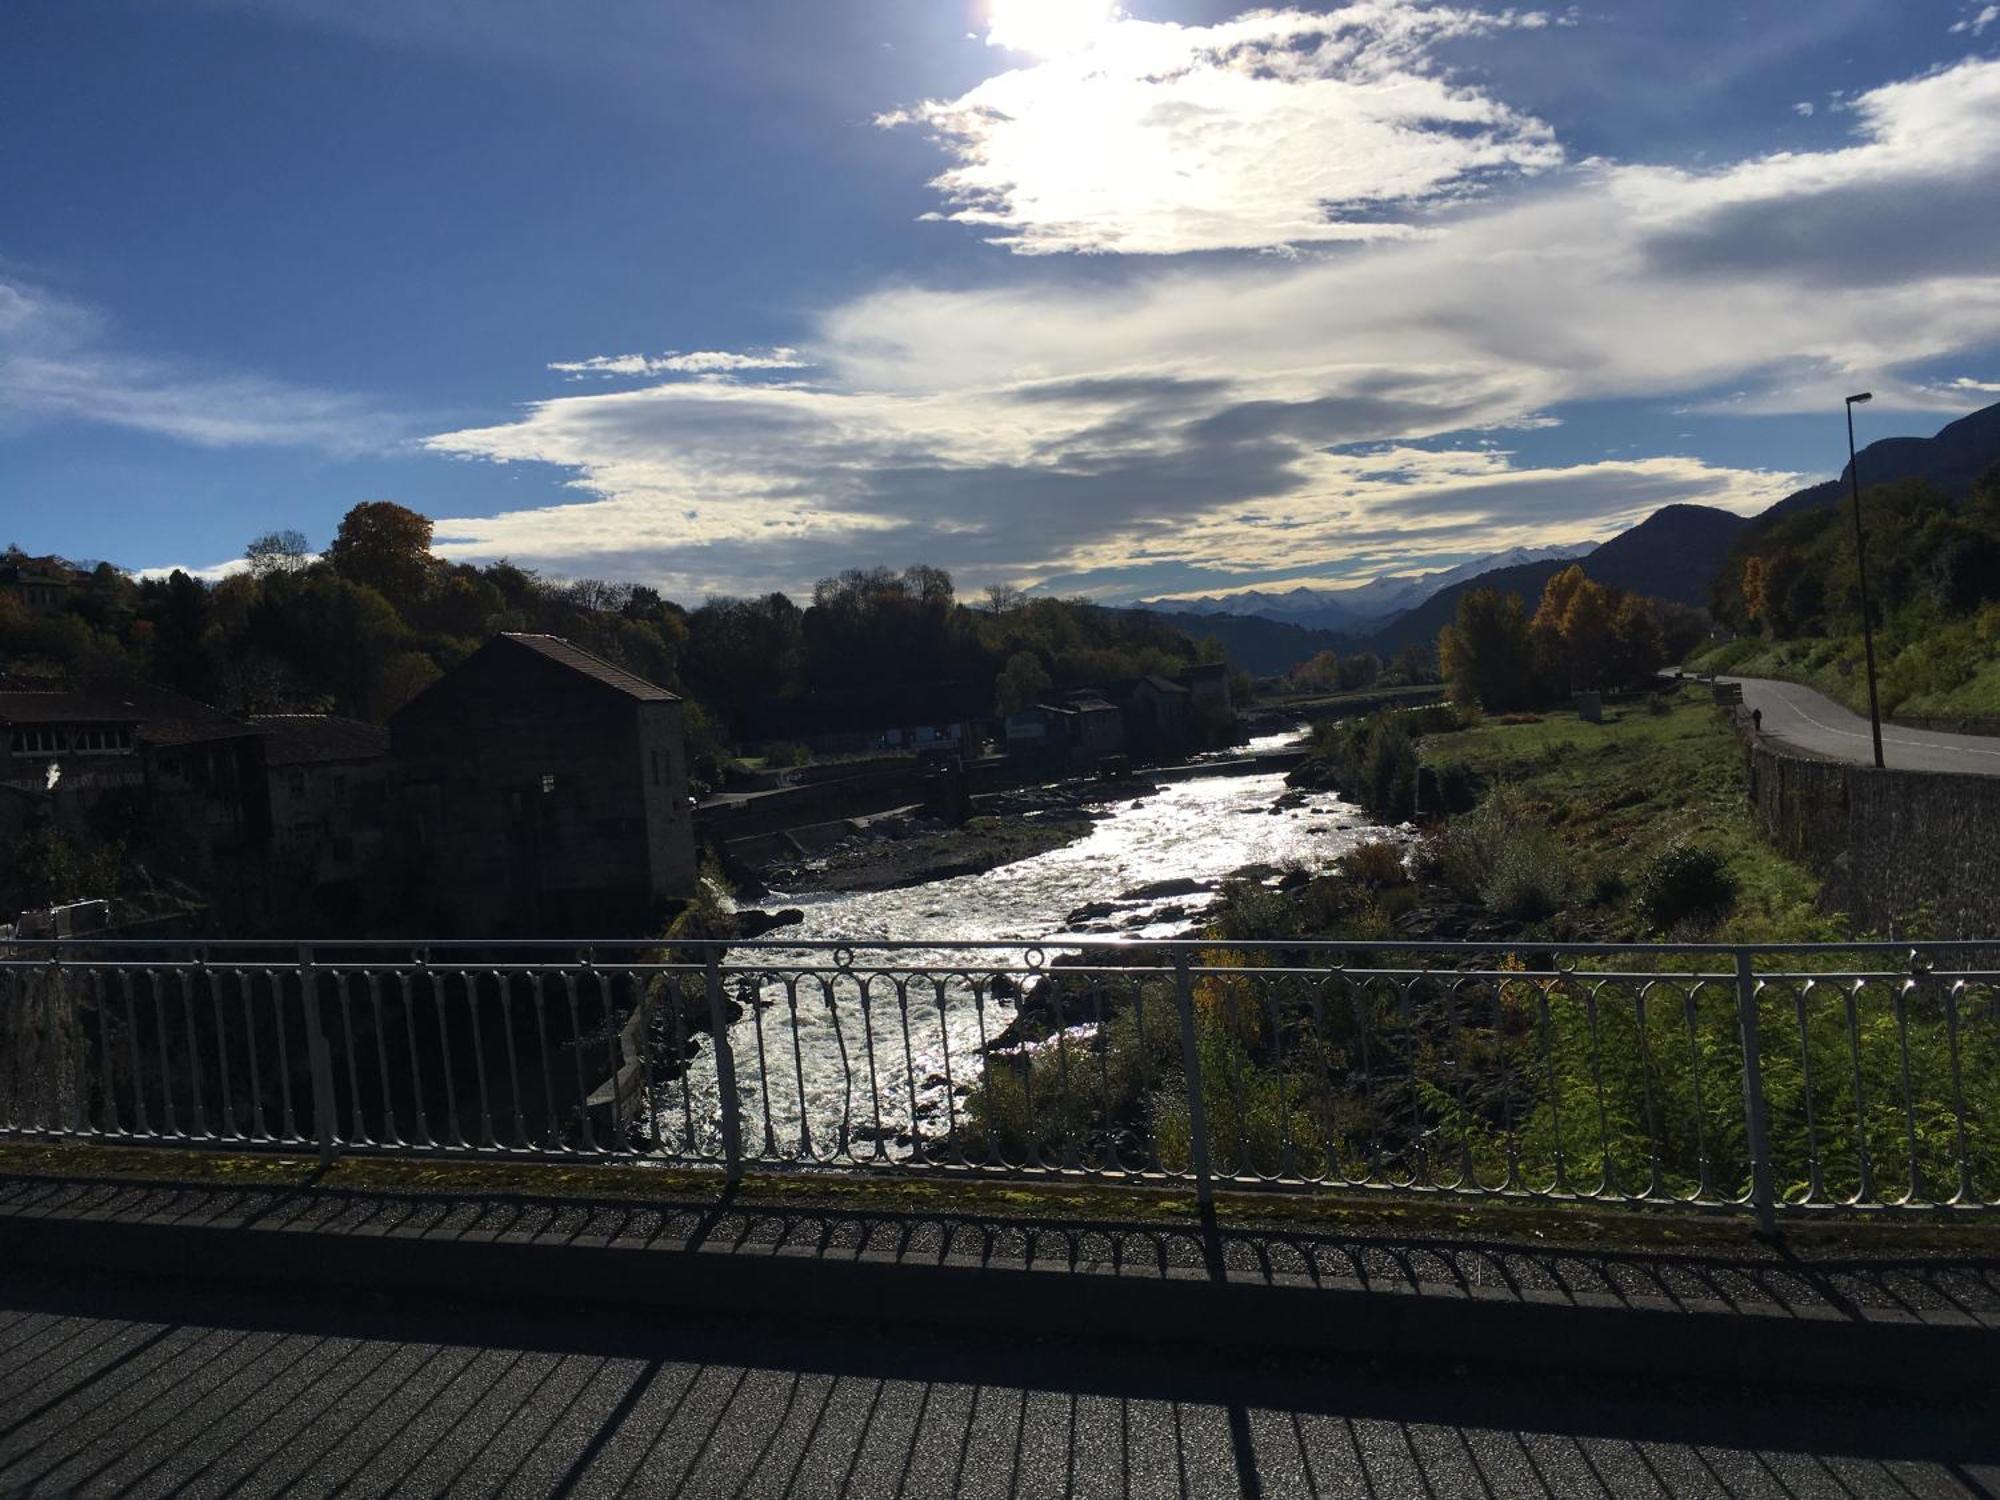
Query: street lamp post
[{"x": 1861, "y": 571}]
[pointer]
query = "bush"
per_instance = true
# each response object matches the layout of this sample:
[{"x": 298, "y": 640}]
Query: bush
[
  {"x": 1529, "y": 877},
  {"x": 1377, "y": 863},
  {"x": 1502, "y": 855},
  {"x": 1685, "y": 883}
]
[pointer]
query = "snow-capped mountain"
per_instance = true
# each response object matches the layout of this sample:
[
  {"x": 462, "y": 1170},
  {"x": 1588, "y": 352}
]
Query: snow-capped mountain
[{"x": 1361, "y": 606}]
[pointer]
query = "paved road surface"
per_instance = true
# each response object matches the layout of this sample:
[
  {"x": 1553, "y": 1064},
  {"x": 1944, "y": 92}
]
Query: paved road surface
[
  {"x": 1800, "y": 717},
  {"x": 158, "y": 1389}
]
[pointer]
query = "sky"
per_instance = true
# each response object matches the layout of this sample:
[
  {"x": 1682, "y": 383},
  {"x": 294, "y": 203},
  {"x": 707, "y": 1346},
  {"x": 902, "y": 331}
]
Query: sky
[{"x": 1170, "y": 298}]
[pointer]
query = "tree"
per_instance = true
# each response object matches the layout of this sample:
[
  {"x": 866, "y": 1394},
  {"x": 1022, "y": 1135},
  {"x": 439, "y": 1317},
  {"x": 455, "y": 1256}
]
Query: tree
[
  {"x": 277, "y": 552},
  {"x": 1638, "y": 649},
  {"x": 1359, "y": 671},
  {"x": 1415, "y": 662},
  {"x": 1486, "y": 655},
  {"x": 1001, "y": 598},
  {"x": 385, "y": 547},
  {"x": 1021, "y": 682},
  {"x": 1586, "y": 632},
  {"x": 1318, "y": 673}
]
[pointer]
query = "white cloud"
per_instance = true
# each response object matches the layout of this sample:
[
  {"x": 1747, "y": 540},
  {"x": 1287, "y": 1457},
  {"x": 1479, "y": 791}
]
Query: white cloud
[
  {"x": 673, "y": 362},
  {"x": 1206, "y": 415},
  {"x": 57, "y": 363},
  {"x": 212, "y": 573},
  {"x": 1977, "y": 23},
  {"x": 1803, "y": 109},
  {"x": 1276, "y": 129}
]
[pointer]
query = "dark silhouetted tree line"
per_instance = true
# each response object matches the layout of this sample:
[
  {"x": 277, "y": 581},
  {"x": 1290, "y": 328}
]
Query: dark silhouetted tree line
[{"x": 363, "y": 627}]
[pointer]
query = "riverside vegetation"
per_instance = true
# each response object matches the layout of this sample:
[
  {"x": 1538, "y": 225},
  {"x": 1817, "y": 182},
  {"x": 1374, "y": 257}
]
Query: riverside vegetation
[
  {"x": 1790, "y": 592},
  {"x": 1584, "y": 1082}
]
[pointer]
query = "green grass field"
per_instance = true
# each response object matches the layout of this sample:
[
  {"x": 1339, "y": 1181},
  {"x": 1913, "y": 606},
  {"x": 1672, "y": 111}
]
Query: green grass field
[{"x": 1619, "y": 792}]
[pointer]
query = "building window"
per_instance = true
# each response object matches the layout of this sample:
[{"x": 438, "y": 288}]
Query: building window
[
  {"x": 102, "y": 742},
  {"x": 38, "y": 742},
  {"x": 548, "y": 782},
  {"x": 295, "y": 783}
]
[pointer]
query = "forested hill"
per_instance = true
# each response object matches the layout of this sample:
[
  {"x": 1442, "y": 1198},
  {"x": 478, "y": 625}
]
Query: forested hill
[
  {"x": 1421, "y": 625},
  {"x": 363, "y": 627},
  {"x": 1674, "y": 554},
  {"x": 1261, "y": 647},
  {"x": 1951, "y": 463}
]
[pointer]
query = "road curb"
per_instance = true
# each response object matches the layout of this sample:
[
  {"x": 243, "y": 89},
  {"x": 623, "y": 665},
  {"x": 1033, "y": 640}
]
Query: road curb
[{"x": 1244, "y": 1314}]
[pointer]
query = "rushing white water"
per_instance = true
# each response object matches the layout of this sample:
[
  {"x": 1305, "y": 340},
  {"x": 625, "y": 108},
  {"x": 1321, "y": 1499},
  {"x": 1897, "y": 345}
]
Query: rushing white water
[{"x": 804, "y": 1048}]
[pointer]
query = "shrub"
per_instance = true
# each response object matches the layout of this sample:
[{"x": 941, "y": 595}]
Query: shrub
[
  {"x": 1377, "y": 863},
  {"x": 1529, "y": 877},
  {"x": 1685, "y": 883},
  {"x": 1502, "y": 855}
]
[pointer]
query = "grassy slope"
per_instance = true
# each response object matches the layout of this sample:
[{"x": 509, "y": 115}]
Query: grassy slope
[
  {"x": 1967, "y": 694},
  {"x": 1620, "y": 791}
]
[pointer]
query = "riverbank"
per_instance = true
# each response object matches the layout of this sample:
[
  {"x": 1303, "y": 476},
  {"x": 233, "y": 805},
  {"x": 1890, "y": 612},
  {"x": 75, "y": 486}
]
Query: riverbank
[
  {"x": 1635, "y": 828},
  {"x": 898, "y": 851},
  {"x": 895, "y": 853}
]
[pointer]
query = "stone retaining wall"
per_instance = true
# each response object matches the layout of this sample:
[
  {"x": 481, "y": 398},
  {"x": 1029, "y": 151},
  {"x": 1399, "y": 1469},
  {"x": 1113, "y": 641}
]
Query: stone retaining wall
[{"x": 1887, "y": 843}]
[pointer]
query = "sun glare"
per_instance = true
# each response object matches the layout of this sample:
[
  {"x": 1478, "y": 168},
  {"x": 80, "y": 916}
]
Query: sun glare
[{"x": 1048, "y": 28}]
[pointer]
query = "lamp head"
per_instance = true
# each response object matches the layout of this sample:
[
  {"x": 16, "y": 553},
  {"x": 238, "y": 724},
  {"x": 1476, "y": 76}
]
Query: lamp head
[{"x": 1864, "y": 396}]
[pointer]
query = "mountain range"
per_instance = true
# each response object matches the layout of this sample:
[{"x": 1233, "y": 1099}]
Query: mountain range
[
  {"x": 1359, "y": 608},
  {"x": 1951, "y": 461},
  {"x": 1676, "y": 554}
]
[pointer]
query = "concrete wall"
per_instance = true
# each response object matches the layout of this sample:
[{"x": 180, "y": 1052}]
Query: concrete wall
[{"x": 1887, "y": 843}]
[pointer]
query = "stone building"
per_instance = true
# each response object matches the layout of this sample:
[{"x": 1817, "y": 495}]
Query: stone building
[
  {"x": 1208, "y": 684},
  {"x": 40, "y": 587},
  {"x": 1159, "y": 716},
  {"x": 331, "y": 787},
  {"x": 149, "y": 768},
  {"x": 1079, "y": 731},
  {"x": 545, "y": 793}
]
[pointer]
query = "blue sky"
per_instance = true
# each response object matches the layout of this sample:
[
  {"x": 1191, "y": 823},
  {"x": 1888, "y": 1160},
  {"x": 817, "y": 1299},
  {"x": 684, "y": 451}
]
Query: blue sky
[{"x": 1177, "y": 297}]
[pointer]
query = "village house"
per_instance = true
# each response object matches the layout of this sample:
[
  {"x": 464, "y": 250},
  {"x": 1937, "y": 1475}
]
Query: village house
[
  {"x": 1159, "y": 716},
  {"x": 878, "y": 719},
  {"x": 331, "y": 781},
  {"x": 1080, "y": 730},
  {"x": 142, "y": 763},
  {"x": 1208, "y": 686},
  {"x": 39, "y": 588},
  {"x": 545, "y": 793}
]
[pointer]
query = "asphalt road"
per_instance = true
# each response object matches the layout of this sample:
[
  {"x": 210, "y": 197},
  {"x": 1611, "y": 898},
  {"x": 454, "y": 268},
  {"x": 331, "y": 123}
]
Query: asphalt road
[
  {"x": 171, "y": 1389},
  {"x": 1811, "y": 721}
]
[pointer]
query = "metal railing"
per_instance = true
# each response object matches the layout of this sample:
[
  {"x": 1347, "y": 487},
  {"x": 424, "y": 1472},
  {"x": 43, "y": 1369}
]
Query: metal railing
[{"x": 1770, "y": 1080}]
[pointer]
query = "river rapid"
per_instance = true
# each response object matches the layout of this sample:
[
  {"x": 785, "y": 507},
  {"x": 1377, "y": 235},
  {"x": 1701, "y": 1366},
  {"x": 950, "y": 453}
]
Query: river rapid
[{"x": 823, "y": 1069}]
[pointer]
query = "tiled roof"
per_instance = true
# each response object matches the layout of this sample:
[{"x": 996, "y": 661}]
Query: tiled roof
[
  {"x": 563, "y": 653},
  {"x": 313, "y": 739},
  {"x": 57, "y": 707},
  {"x": 163, "y": 718}
]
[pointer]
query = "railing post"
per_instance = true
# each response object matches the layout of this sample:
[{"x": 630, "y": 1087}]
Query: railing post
[
  {"x": 1763, "y": 1193},
  {"x": 725, "y": 1069},
  {"x": 318, "y": 1058},
  {"x": 1204, "y": 1176}
]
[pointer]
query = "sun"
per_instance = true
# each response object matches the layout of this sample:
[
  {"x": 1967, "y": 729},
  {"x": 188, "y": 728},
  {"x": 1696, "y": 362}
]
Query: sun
[{"x": 1048, "y": 28}]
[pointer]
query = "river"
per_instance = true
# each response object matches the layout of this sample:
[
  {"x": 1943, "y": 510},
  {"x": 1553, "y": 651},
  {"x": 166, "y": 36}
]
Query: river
[{"x": 804, "y": 1048}]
